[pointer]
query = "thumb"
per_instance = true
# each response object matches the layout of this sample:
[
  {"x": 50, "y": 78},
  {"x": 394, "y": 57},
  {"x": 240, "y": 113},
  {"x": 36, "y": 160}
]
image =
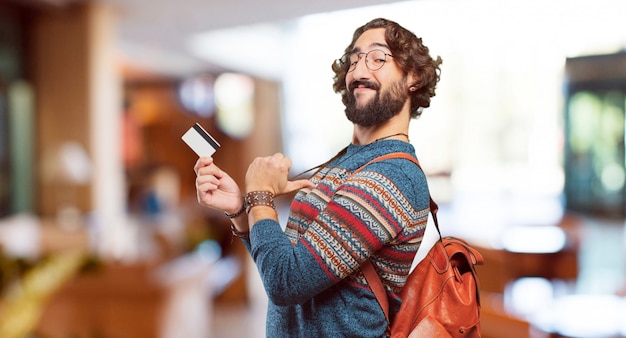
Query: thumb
[{"x": 297, "y": 185}]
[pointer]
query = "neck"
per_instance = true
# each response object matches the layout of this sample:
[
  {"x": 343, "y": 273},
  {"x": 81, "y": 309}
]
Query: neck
[
  {"x": 400, "y": 136},
  {"x": 362, "y": 136}
]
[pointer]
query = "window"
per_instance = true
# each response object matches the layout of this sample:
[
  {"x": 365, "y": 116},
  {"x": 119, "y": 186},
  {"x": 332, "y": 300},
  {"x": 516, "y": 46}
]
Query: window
[{"x": 594, "y": 130}]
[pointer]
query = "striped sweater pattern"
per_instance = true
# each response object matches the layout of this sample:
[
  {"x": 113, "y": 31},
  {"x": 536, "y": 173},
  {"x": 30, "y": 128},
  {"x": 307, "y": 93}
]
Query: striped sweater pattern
[
  {"x": 312, "y": 270},
  {"x": 365, "y": 215}
]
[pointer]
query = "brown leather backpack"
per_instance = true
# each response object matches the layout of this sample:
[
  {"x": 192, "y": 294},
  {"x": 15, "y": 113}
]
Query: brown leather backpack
[{"x": 440, "y": 297}]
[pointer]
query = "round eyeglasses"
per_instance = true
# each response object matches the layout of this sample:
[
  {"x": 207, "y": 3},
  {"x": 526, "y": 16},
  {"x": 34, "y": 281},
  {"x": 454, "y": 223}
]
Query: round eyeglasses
[{"x": 374, "y": 59}]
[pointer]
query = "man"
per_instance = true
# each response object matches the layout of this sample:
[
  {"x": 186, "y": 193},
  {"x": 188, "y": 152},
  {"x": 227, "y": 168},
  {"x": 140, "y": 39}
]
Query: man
[{"x": 338, "y": 218}]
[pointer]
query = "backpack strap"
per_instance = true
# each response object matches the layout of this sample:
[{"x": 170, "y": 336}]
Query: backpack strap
[
  {"x": 371, "y": 276},
  {"x": 433, "y": 206},
  {"x": 377, "y": 286}
]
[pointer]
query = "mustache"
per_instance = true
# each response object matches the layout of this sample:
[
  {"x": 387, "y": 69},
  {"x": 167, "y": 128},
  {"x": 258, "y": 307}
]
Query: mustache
[{"x": 366, "y": 84}]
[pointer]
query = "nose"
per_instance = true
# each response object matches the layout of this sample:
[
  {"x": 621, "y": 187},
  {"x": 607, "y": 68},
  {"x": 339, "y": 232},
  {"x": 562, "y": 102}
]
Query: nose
[{"x": 360, "y": 69}]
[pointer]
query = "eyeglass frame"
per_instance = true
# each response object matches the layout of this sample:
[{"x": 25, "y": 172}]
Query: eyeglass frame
[{"x": 351, "y": 68}]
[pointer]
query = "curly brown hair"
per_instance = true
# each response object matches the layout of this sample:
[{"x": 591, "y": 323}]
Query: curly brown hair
[{"x": 408, "y": 52}]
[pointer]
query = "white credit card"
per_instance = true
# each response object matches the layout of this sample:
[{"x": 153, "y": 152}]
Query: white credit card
[{"x": 200, "y": 141}]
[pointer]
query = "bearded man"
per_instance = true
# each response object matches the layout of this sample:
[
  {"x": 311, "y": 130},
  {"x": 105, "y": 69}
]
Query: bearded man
[{"x": 350, "y": 210}]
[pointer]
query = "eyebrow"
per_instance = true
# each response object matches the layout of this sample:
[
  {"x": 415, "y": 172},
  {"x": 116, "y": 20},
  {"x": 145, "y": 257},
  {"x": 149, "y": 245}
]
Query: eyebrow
[{"x": 375, "y": 44}]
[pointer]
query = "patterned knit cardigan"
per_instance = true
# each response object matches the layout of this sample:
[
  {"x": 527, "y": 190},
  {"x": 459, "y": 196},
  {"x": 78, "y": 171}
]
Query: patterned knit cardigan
[{"x": 311, "y": 270}]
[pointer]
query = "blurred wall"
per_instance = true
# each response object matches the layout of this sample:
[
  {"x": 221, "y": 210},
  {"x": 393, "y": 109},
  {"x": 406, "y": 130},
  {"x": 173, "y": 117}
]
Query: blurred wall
[{"x": 76, "y": 89}]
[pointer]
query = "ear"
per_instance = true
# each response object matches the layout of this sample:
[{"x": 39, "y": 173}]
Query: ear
[{"x": 412, "y": 80}]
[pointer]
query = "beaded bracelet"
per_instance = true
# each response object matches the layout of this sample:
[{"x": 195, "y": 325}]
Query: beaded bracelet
[
  {"x": 239, "y": 212},
  {"x": 256, "y": 198},
  {"x": 237, "y": 233}
]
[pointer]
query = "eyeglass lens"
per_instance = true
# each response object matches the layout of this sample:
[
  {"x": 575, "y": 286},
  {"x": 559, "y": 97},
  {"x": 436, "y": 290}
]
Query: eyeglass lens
[{"x": 374, "y": 59}]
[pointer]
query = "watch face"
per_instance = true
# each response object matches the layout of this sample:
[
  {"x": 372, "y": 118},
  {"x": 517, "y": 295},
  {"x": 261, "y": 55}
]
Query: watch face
[{"x": 197, "y": 95}]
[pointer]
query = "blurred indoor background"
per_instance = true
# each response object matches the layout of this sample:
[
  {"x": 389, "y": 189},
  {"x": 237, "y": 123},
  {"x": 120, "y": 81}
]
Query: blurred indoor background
[{"x": 100, "y": 231}]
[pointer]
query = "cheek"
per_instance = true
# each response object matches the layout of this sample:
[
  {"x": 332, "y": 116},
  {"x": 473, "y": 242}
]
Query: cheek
[{"x": 348, "y": 80}]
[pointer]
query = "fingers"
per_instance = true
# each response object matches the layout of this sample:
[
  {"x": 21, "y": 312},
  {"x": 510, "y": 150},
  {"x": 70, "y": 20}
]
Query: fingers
[
  {"x": 207, "y": 175},
  {"x": 282, "y": 162},
  {"x": 270, "y": 173},
  {"x": 207, "y": 182},
  {"x": 202, "y": 162},
  {"x": 205, "y": 166},
  {"x": 297, "y": 185}
]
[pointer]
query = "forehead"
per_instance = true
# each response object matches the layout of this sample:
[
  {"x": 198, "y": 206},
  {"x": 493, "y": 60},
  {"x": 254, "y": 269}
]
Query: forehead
[{"x": 371, "y": 38}]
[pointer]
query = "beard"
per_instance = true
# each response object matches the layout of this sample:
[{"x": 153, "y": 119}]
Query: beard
[{"x": 385, "y": 105}]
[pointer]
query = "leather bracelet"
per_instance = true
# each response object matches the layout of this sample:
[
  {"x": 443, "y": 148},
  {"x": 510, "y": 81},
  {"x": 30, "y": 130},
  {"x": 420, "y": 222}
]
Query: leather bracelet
[
  {"x": 256, "y": 198},
  {"x": 240, "y": 234},
  {"x": 239, "y": 212}
]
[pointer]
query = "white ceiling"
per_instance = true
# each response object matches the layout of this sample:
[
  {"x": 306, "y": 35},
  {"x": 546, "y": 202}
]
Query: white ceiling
[
  {"x": 155, "y": 33},
  {"x": 168, "y": 20}
]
